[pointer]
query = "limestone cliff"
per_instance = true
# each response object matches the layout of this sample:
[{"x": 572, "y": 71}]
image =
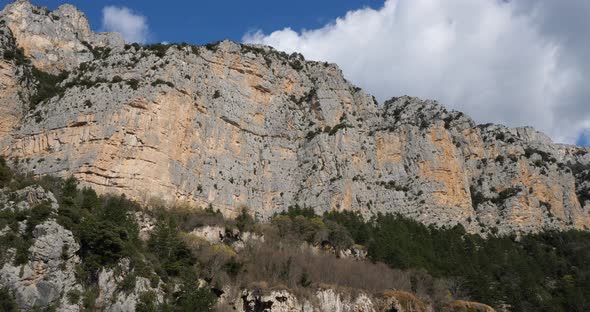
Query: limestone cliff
[{"x": 236, "y": 125}]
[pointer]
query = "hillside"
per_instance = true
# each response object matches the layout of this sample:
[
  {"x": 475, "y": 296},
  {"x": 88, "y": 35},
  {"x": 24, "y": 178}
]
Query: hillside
[{"x": 63, "y": 248}]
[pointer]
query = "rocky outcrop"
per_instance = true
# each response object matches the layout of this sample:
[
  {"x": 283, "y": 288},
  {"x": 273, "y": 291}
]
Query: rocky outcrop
[
  {"x": 56, "y": 40},
  {"x": 357, "y": 252},
  {"x": 48, "y": 278},
  {"x": 115, "y": 298},
  {"x": 49, "y": 274},
  {"x": 257, "y": 300},
  {"x": 239, "y": 125},
  {"x": 26, "y": 198},
  {"x": 332, "y": 300},
  {"x": 232, "y": 237},
  {"x": 211, "y": 234}
]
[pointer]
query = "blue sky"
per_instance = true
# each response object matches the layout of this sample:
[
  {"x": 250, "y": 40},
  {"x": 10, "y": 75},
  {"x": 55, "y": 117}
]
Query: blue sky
[
  {"x": 583, "y": 140},
  {"x": 517, "y": 62},
  {"x": 206, "y": 21}
]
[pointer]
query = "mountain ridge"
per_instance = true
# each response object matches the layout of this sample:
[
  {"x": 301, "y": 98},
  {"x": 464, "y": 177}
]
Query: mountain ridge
[{"x": 232, "y": 125}]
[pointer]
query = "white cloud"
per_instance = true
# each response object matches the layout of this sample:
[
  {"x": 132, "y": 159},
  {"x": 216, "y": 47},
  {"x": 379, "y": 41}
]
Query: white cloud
[
  {"x": 496, "y": 60},
  {"x": 132, "y": 26}
]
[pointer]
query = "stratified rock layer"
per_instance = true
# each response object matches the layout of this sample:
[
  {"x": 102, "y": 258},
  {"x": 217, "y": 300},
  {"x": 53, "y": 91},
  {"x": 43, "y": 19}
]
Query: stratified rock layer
[{"x": 236, "y": 125}]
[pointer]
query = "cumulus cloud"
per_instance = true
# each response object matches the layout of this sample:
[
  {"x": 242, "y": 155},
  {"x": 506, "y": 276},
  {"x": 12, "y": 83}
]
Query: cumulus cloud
[
  {"x": 131, "y": 25},
  {"x": 518, "y": 62}
]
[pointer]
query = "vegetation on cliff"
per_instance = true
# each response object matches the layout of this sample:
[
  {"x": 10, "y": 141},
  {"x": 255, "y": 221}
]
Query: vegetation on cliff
[{"x": 541, "y": 272}]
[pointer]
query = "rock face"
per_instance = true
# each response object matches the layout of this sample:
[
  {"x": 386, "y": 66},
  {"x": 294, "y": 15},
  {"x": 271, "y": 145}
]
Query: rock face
[
  {"x": 337, "y": 301},
  {"x": 113, "y": 299},
  {"x": 285, "y": 301},
  {"x": 14, "y": 85},
  {"x": 55, "y": 40},
  {"x": 26, "y": 198},
  {"x": 50, "y": 271},
  {"x": 49, "y": 274},
  {"x": 237, "y": 125},
  {"x": 231, "y": 237}
]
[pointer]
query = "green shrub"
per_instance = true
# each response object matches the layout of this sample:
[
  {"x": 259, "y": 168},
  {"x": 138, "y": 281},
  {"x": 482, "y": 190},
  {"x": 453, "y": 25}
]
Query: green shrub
[
  {"x": 147, "y": 302},
  {"x": 311, "y": 230},
  {"x": 102, "y": 243},
  {"x": 192, "y": 298},
  {"x": 5, "y": 173},
  {"x": 89, "y": 299},
  {"x": 127, "y": 285},
  {"x": 354, "y": 222},
  {"x": 8, "y": 55},
  {"x": 507, "y": 193},
  {"x": 133, "y": 83},
  {"x": 159, "y": 49},
  {"x": 7, "y": 303},
  {"x": 212, "y": 46},
  {"x": 337, "y": 128},
  {"x": 296, "y": 210},
  {"x": 74, "y": 296},
  {"x": 102, "y": 225},
  {"x": 232, "y": 267},
  {"x": 47, "y": 87},
  {"x": 17, "y": 55},
  {"x": 244, "y": 220},
  {"x": 160, "y": 82},
  {"x": 296, "y": 65},
  {"x": 477, "y": 198},
  {"x": 171, "y": 251},
  {"x": 338, "y": 235}
]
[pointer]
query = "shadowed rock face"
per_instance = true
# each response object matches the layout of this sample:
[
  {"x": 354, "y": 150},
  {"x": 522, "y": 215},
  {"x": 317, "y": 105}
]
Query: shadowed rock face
[{"x": 236, "y": 125}]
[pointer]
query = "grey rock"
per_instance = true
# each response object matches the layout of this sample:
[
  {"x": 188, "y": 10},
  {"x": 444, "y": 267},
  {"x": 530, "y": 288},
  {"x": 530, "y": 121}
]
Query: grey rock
[
  {"x": 50, "y": 271},
  {"x": 26, "y": 198},
  {"x": 55, "y": 40},
  {"x": 234, "y": 238},
  {"x": 113, "y": 299}
]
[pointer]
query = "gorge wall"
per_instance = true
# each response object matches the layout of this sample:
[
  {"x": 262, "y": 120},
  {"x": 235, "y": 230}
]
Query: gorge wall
[{"x": 235, "y": 125}]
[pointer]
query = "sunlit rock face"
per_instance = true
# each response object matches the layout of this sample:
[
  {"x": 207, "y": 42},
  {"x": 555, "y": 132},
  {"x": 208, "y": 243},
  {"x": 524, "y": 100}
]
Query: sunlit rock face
[
  {"x": 55, "y": 40},
  {"x": 236, "y": 125}
]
